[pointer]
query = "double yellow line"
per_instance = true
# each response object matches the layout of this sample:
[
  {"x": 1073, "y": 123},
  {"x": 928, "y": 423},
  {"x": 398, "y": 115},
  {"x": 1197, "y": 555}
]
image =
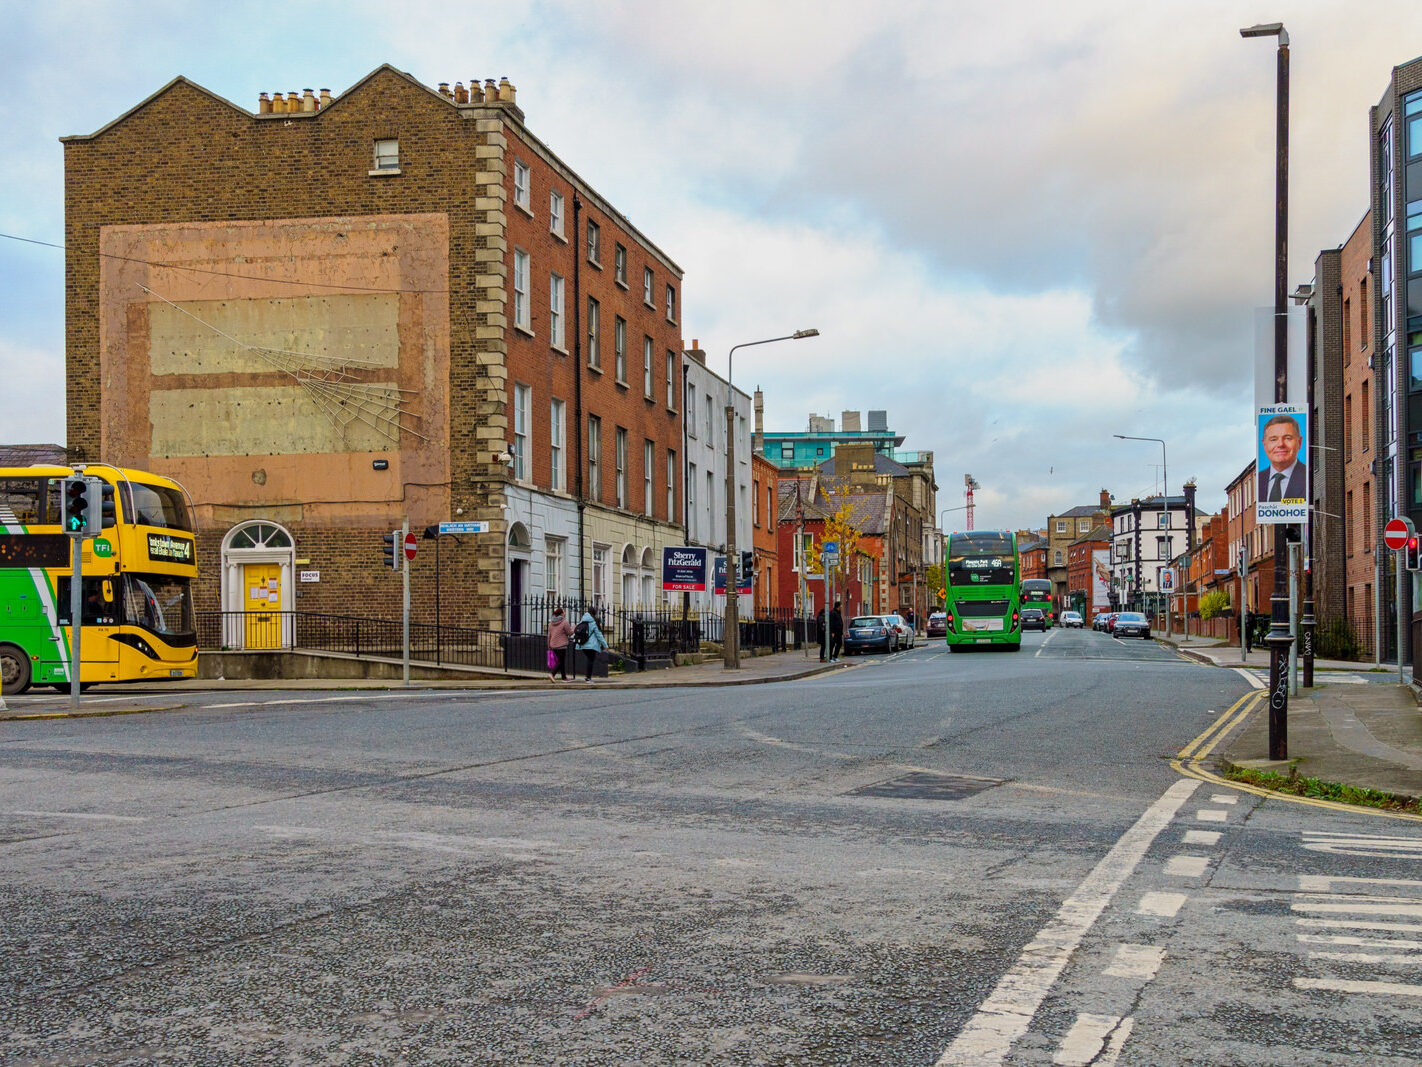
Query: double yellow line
[{"x": 1190, "y": 758}]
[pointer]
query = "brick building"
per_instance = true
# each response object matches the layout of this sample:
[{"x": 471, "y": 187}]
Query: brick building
[
  {"x": 1088, "y": 571},
  {"x": 331, "y": 314},
  {"x": 1062, "y": 530},
  {"x": 765, "y": 516}
]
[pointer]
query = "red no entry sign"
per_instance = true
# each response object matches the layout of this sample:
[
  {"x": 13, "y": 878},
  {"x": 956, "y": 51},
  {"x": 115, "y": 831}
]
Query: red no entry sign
[
  {"x": 411, "y": 546},
  {"x": 1396, "y": 533}
]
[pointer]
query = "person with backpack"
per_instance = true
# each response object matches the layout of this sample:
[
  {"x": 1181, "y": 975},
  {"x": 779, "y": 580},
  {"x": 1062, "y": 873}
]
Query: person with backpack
[
  {"x": 588, "y": 639},
  {"x": 560, "y": 633},
  {"x": 836, "y": 624}
]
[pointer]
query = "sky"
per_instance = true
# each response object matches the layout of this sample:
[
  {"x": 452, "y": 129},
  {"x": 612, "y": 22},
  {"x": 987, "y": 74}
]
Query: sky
[{"x": 1020, "y": 227}]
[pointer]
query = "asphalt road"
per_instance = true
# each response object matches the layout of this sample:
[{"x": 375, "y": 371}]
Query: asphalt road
[{"x": 923, "y": 858}]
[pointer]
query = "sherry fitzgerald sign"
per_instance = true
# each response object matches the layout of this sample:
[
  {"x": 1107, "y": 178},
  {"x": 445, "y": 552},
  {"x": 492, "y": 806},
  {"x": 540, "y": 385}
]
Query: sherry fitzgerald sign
[{"x": 683, "y": 569}]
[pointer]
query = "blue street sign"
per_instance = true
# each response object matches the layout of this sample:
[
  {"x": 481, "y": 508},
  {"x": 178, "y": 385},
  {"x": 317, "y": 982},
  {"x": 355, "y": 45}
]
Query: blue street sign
[{"x": 463, "y": 527}]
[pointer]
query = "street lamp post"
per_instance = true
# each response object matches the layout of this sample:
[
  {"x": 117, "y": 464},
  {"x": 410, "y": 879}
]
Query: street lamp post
[
  {"x": 1279, "y": 638},
  {"x": 1164, "y": 513},
  {"x": 731, "y": 642}
]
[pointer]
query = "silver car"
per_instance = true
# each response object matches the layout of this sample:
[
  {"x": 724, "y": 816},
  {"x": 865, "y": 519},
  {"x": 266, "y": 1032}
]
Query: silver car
[{"x": 906, "y": 633}]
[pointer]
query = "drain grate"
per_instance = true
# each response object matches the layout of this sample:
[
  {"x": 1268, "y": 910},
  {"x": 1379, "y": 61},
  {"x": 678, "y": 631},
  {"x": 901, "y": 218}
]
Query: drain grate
[{"x": 921, "y": 785}]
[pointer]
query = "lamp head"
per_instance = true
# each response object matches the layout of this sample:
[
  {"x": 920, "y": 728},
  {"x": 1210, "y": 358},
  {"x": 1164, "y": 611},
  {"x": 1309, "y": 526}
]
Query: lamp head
[
  {"x": 1263, "y": 29},
  {"x": 805, "y": 333}
]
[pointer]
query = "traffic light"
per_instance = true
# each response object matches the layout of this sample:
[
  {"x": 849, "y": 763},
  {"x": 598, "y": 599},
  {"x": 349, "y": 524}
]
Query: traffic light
[
  {"x": 747, "y": 566},
  {"x": 1414, "y": 556},
  {"x": 392, "y": 548},
  {"x": 80, "y": 507}
]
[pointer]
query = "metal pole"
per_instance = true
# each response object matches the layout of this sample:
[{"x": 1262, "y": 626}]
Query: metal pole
[
  {"x": 732, "y": 644},
  {"x": 1401, "y": 622},
  {"x": 1243, "y": 611},
  {"x": 1165, "y": 512},
  {"x": 1294, "y": 550},
  {"x": 76, "y": 604},
  {"x": 1307, "y": 623},
  {"x": 405, "y": 614}
]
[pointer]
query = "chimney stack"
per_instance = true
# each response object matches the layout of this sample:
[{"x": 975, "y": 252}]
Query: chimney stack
[
  {"x": 696, "y": 353},
  {"x": 1105, "y": 500},
  {"x": 308, "y": 101},
  {"x": 758, "y": 438},
  {"x": 506, "y": 91},
  {"x": 461, "y": 95},
  {"x": 264, "y": 104},
  {"x": 325, "y": 103}
]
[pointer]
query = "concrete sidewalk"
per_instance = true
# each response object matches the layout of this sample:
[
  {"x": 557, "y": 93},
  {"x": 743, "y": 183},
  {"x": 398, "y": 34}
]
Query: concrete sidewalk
[{"x": 1367, "y": 735}]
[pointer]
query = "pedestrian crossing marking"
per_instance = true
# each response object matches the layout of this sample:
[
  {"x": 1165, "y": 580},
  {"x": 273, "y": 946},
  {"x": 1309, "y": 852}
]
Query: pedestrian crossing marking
[
  {"x": 1187, "y": 866},
  {"x": 1093, "y": 1039},
  {"x": 1136, "y": 961},
  {"x": 1202, "y": 837},
  {"x": 1330, "y": 985},
  {"x": 1209, "y": 815},
  {"x": 1164, "y": 905}
]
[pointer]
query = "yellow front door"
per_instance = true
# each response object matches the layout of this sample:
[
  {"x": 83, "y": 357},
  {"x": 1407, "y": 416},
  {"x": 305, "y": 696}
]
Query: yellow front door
[{"x": 262, "y": 582}]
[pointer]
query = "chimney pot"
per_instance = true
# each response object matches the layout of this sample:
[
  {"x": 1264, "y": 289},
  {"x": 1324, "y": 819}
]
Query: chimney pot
[
  {"x": 461, "y": 94},
  {"x": 506, "y": 91},
  {"x": 264, "y": 104},
  {"x": 308, "y": 101},
  {"x": 325, "y": 102},
  {"x": 444, "y": 91},
  {"x": 278, "y": 103},
  {"x": 476, "y": 91}
]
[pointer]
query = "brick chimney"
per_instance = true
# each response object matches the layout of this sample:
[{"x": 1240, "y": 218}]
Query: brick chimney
[
  {"x": 695, "y": 352},
  {"x": 1105, "y": 500}
]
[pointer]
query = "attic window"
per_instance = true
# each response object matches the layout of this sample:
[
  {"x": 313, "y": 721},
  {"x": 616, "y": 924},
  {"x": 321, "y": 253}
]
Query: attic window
[{"x": 387, "y": 157}]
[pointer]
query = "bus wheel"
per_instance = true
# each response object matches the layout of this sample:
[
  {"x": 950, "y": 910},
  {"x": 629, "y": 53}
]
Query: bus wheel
[
  {"x": 1015, "y": 648},
  {"x": 14, "y": 670}
]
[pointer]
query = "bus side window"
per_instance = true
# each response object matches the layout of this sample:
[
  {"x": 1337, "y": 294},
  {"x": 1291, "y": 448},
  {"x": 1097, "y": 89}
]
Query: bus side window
[{"x": 20, "y": 500}]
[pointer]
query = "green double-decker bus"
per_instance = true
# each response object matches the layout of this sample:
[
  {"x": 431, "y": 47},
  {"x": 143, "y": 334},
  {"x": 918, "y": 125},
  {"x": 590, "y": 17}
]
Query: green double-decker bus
[
  {"x": 981, "y": 576},
  {"x": 1037, "y": 593}
]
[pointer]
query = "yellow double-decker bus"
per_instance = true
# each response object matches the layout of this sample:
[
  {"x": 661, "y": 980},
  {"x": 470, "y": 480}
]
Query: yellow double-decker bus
[{"x": 137, "y": 614}]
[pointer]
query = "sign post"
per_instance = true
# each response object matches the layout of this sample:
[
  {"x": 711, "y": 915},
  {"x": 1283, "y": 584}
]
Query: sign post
[
  {"x": 407, "y": 539},
  {"x": 1396, "y": 534}
]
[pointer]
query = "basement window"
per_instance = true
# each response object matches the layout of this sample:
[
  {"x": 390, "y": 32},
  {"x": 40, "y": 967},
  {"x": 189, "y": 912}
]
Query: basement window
[{"x": 387, "y": 157}]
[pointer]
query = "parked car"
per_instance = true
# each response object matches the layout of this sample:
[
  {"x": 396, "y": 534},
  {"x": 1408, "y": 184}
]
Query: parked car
[
  {"x": 1098, "y": 621},
  {"x": 870, "y": 633},
  {"x": 1034, "y": 619},
  {"x": 907, "y": 637},
  {"x": 1073, "y": 619},
  {"x": 1111, "y": 621},
  {"x": 938, "y": 624},
  {"x": 1131, "y": 624}
]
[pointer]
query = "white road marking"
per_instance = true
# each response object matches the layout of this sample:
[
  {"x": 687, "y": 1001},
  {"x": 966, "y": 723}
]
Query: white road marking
[
  {"x": 1250, "y": 677},
  {"x": 1165, "y": 905},
  {"x": 1007, "y": 1012},
  {"x": 1202, "y": 837},
  {"x": 1362, "y": 844},
  {"x": 91, "y": 815},
  {"x": 1322, "y": 883},
  {"x": 1187, "y": 866},
  {"x": 1136, "y": 961},
  {"x": 1085, "y": 1040},
  {"x": 1224, "y": 798},
  {"x": 1331, "y": 985},
  {"x": 1366, "y": 957},
  {"x": 1210, "y": 815},
  {"x": 1401, "y": 911},
  {"x": 1360, "y": 942},
  {"x": 1344, "y": 924}
]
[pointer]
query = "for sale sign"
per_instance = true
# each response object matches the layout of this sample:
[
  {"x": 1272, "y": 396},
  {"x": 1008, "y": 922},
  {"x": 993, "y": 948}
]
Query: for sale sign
[
  {"x": 742, "y": 586},
  {"x": 683, "y": 569}
]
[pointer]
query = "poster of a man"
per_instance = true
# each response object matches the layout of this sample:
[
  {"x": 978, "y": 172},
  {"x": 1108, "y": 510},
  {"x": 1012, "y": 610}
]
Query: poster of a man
[{"x": 1283, "y": 466}]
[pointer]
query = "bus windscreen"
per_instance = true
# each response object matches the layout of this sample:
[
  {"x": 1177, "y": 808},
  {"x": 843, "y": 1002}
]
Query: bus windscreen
[{"x": 984, "y": 558}]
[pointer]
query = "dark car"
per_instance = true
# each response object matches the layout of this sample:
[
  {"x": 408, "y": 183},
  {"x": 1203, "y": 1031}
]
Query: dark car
[
  {"x": 1034, "y": 619},
  {"x": 1131, "y": 624},
  {"x": 938, "y": 624},
  {"x": 870, "y": 633}
]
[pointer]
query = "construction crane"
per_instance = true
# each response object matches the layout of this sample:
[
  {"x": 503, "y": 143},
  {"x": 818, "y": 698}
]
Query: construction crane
[{"x": 969, "y": 484}]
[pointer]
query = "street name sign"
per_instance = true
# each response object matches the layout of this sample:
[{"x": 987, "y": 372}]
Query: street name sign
[{"x": 463, "y": 527}]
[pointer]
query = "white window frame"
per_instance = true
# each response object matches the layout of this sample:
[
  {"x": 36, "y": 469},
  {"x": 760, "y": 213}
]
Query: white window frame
[
  {"x": 523, "y": 397},
  {"x": 557, "y": 430},
  {"x": 671, "y": 303},
  {"x": 619, "y": 350},
  {"x": 802, "y": 545},
  {"x": 594, "y": 458},
  {"x": 691, "y": 493},
  {"x": 691, "y": 407},
  {"x": 649, "y": 282},
  {"x": 710, "y": 500},
  {"x": 386, "y": 156},
  {"x": 647, "y": 383},
  {"x": 594, "y": 243},
  {"x": 619, "y": 459},
  {"x": 1061, "y": 526},
  {"x": 601, "y": 570},
  {"x": 555, "y": 311},
  {"x": 522, "y": 317},
  {"x": 619, "y": 265},
  {"x": 594, "y": 333},
  {"x": 522, "y": 186},
  {"x": 555, "y": 213},
  {"x": 649, "y": 462},
  {"x": 671, "y": 380},
  {"x": 554, "y": 564},
  {"x": 710, "y": 420},
  {"x": 671, "y": 485}
]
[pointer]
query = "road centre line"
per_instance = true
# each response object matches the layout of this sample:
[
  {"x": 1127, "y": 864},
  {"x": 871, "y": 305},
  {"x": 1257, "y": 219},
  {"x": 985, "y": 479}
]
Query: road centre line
[
  {"x": 1005, "y": 1015},
  {"x": 91, "y": 815}
]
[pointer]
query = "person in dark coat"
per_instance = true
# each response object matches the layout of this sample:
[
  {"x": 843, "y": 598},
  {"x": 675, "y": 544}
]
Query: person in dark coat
[
  {"x": 836, "y": 632},
  {"x": 824, "y": 632}
]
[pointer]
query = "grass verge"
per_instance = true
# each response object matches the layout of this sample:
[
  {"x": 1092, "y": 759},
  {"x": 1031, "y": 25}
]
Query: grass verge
[{"x": 1300, "y": 785}]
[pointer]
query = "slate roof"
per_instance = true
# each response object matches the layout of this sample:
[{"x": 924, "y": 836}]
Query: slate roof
[
  {"x": 32, "y": 456},
  {"x": 882, "y": 465}
]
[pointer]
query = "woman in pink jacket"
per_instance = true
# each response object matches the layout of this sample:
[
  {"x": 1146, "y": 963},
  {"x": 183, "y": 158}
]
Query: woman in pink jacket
[{"x": 560, "y": 633}]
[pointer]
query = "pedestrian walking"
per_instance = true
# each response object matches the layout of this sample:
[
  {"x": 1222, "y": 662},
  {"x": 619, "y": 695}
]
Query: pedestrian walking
[
  {"x": 836, "y": 632},
  {"x": 589, "y": 641},
  {"x": 560, "y": 635},
  {"x": 824, "y": 632}
]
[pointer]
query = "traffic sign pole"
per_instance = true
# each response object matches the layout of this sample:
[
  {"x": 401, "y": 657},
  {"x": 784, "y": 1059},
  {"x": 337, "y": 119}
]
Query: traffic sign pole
[
  {"x": 1396, "y": 534},
  {"x": 407, "y": 539}
]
